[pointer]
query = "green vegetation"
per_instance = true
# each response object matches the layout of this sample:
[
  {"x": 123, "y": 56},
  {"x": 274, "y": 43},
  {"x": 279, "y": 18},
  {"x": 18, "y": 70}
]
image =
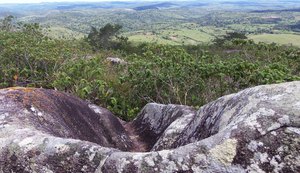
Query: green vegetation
[
  {"x": 105, "y": 37},
  {"x": 177, "y": 74},
  {"x": 29, "y": 58},
  {"x": 285, "y": 39},
  {"x": 63, "y": 33},
  {"x": 182, "y": 23},
  {"x": 171, "y": 37},
  {"x": 184, "y": 53},
  {"x": 230, "y": 36}
]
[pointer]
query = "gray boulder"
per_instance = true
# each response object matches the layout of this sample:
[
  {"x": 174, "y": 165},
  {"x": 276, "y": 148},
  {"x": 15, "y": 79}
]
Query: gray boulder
[
  {"x": 255, "y": 130},
  {"x": 45, "y": 130},
  {"x": 116, "y": 61}
]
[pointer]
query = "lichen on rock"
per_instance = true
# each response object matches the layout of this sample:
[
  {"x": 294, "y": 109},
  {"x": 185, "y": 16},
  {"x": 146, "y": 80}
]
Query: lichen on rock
[{"x": 255, "y": 130}]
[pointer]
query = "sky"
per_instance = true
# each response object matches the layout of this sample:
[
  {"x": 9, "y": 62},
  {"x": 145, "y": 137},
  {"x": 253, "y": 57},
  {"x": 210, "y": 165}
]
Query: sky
[{"x": 38, "y": 1}]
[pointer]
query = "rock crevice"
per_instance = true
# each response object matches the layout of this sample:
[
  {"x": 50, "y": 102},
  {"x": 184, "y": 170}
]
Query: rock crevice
[{"x": 255, "y": 130}]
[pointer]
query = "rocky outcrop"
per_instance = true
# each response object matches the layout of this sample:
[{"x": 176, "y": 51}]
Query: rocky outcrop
[
  {"x": 255, "y": 130},
  {"x": 43, "y": 130},
  {"x": 160, "y": 126}
]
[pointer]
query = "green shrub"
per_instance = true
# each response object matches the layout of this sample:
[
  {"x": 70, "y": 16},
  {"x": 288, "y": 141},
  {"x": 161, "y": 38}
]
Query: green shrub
[{"x": 190, "y": 75}]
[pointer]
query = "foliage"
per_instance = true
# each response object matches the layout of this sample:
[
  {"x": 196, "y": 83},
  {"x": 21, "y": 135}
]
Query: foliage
[
  {"x": 190, "y": 74},
  {"x": 167, "y": 74},
  {"x": 186, "y": 24},
  {"x": 6, "y": 23},
  {"x": 94, "y": 79},
  {"x": 229, "y": 37},
  {"x": 28, "y": 58},
  {"x": 105, "y": 37},
  {"x": 83, "y": 78}
]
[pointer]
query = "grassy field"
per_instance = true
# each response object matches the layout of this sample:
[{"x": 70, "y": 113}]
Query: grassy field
[
  {"x": 286, "y": 39},
  {"x": 205, "y": 35},
  {"x": 297, "y": 17},
  {"x": 150, "y": 38},
  {"x": 172, "y": 36},
  {"x": 184, "y": 35},
  {"x": 63, "y": 33},
  {"x": 213, "y": 31},
  {"x": 188, "y": 34},
  {"x": 175, "y": 26},
  {"x": 250, "y": 27}
]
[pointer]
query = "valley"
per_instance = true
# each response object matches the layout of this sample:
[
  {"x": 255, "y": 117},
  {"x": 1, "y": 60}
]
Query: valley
[{"x": 175, "y": 23}]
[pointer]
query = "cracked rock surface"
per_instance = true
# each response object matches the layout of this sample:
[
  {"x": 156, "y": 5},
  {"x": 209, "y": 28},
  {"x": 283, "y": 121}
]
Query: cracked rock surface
[{"x": 255, "y": 130}]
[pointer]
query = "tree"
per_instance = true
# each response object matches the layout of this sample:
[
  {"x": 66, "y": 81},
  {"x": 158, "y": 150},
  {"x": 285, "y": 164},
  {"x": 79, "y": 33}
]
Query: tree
[
  {"x": 105, "y": 37},
  {"x": 219, "y": 41},
  {"x": 6, "y": 24}
]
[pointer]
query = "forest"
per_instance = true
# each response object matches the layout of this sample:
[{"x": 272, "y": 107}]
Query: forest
[{"x": 189, "y": 74}]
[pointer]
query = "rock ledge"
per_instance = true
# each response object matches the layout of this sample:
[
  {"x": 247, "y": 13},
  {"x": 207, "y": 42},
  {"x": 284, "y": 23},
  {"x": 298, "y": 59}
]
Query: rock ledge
[{"x": 255, "y": 130}]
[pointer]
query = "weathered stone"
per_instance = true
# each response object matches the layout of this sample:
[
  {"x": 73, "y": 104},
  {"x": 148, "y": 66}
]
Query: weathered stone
[
  {"x": 44, "y": 130},
  {"x": 116, "y": 60},
  {"x": 160, "y": 126},
  {"x": 255, "y": 130}
]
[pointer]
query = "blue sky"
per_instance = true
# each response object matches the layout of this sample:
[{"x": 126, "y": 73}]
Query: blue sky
[{"x": 38, "y": 1}]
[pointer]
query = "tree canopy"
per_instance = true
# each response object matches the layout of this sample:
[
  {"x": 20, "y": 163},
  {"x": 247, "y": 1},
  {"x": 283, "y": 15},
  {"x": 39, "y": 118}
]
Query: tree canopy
[{"x": 105, "y": 37}]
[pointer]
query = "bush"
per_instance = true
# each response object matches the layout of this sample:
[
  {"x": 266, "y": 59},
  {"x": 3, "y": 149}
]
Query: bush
[
  {"x": 190, "y": 75},
  {"x": 167, "y": 74}
]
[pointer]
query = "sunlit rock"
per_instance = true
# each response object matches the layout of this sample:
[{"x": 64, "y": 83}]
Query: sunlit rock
[{"x": 255, "y": 130}]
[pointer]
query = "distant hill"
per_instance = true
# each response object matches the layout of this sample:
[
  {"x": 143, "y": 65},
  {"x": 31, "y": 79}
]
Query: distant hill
[
  {"x": 155, "y": 6},
  {"x": 79, "y": 6},
  {"x": 3, "y": 12},
  {"x": 34, "y": 7},
  {"x": 281, "y": 10},
  {"x": 6, "y": 12},
  {"x": 90, "y": 5},
  {"x": 242, "y": 3},
  {"x": 196, "y": 4},
  {"x": 295, "y": 27}
]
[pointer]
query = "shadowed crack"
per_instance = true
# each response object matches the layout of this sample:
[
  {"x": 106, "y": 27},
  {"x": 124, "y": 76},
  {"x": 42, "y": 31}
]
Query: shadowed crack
[{"x": 138, "y": 145}]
